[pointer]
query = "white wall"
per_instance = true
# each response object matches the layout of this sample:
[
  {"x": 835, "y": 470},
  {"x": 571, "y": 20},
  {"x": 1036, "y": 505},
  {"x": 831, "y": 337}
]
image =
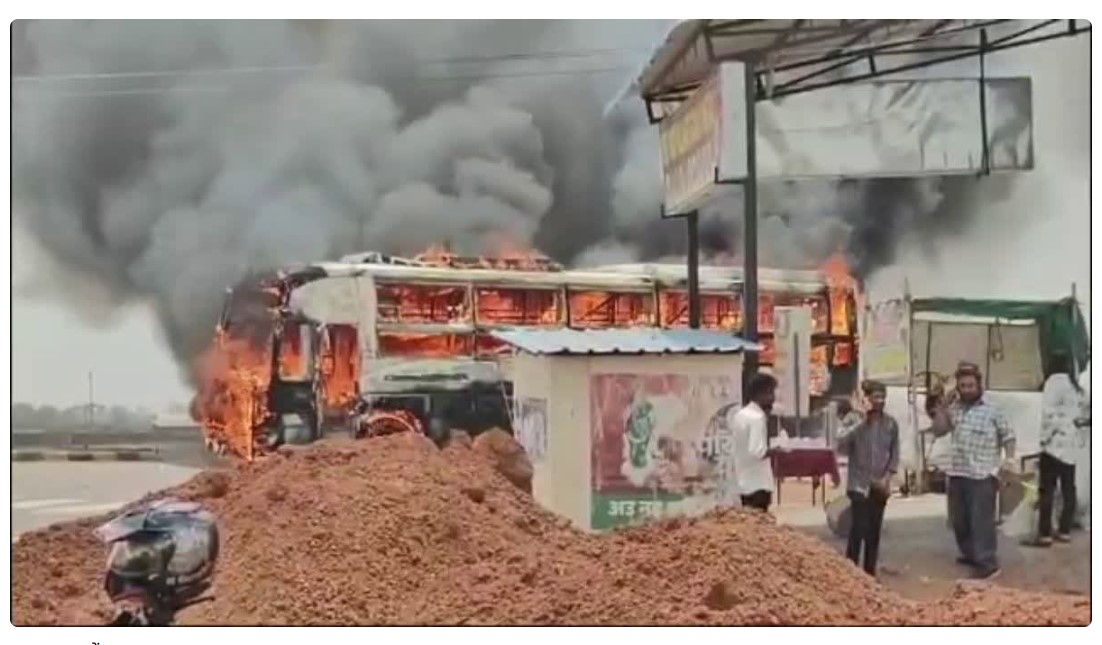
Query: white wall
[
  {"x": 560, "y": 478},
  {"x": 563, "y": 478}
]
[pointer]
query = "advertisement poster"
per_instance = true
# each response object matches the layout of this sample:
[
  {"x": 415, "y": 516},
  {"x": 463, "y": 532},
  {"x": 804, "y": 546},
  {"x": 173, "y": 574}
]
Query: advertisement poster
[
  {"x": 792, "y": 361},
  {"x": 885, "y": 344},
  {"x": 531, "y": 427},
  {"x": 660, "y": 445}
]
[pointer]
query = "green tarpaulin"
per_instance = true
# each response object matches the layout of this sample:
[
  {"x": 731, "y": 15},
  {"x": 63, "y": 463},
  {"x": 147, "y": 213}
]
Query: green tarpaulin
[{"x": 1060, "y": 324}]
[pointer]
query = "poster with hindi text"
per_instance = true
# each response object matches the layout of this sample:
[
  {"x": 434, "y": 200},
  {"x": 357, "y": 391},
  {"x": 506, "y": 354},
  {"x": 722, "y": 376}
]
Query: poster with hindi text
[{"x": 660, "y": 445}]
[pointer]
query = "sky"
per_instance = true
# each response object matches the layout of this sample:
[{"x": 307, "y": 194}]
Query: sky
[
  {"x": 54, "y": 347},
  {"x": 1030, "y": 243},
  {"x": 53, "y": 350}
]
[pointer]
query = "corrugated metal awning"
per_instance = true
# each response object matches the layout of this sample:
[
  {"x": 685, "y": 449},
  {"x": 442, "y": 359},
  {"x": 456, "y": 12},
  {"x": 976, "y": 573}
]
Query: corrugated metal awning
[{"x": 624, "y": 341}]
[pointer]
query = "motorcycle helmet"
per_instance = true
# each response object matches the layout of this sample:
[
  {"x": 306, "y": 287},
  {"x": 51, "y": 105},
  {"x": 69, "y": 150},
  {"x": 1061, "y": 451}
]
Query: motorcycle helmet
[{"x": 163, "y": 552}]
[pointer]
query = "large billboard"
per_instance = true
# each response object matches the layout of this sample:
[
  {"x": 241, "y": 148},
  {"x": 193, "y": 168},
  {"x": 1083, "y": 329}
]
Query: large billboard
[
  {"x": 898, "y": 128},
  {"x": 660, "y": 445}
]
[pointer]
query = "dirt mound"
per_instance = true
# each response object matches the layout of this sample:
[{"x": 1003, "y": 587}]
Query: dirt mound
[
  {"x": 741, "y": 568},
  {"x": 989, "y": 605},
  {"x": 507, "y": 455},
  {"x": 392, "y": 530},
  {"x": 56, "y": 574}
]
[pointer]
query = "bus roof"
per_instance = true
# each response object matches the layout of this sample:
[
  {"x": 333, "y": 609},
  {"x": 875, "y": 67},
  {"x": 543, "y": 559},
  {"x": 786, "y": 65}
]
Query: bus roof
[{"x": 624, "y": 277}]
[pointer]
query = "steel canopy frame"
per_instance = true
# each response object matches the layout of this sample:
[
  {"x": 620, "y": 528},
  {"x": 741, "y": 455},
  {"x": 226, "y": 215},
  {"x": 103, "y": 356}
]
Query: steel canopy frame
[
  {"x": 793, "y": 56},
  {"x": 796, "y": 56}
]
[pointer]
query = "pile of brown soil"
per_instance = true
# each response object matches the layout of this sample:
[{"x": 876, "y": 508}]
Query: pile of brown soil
[
  {"x": 56, "y": 575},
  {"x": 508, "y": 457},
  {"x": 980, "y": 604},
  {"x": 391, "y": 530},
  {"x": 57, "y": 572}
]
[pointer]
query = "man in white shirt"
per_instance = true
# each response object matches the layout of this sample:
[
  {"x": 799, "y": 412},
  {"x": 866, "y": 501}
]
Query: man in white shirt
[
  {"x": 1060, "y": 422},
  {"x": 753, "y": 469}
]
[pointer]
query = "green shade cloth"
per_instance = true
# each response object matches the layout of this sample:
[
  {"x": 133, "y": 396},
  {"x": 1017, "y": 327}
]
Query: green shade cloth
[{"x": 1061, "y": 326}]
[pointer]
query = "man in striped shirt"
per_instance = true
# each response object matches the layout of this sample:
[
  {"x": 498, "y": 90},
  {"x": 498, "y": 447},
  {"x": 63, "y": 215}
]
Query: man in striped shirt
[
  {"x": 981, "y": 440},
  {"x": 872, "y": 449}
]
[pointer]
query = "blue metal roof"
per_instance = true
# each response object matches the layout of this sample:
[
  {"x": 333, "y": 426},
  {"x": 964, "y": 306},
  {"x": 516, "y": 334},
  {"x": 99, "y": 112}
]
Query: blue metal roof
[{"x": 624, "y": 341}]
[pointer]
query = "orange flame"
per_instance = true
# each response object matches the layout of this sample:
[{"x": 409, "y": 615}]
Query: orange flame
[
  {"x": 843, "y": 353},
  {"x": 508, "y": 256},
  {"x": 844, "y": 294},
  {"x": 292, "y": 355},
  {"x": 716, "y": 311},
  {"x": 537, "y": 307},
  {"x": 820, "y": 370},
  {"x": 836, "y": 272},
  {"x": 234, "y": 376},
  {"x": 422, "y": 304},
  {"x": 519, "y": 256},
  {"x": 599, "y": 309},
  {"x": 340, "y": 368},
  {"x": 424, "y": 345}
]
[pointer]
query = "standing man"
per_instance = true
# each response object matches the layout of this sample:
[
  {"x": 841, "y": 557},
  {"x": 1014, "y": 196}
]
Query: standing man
[
  {"x": 1060, "y": 422},
  {"x": 872, "y": 449},
  {"x": 981, "y": 439},
  {"x": 753, "y": 470}
]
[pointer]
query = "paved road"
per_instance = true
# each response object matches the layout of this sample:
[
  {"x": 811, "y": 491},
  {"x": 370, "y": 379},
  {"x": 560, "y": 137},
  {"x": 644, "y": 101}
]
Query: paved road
[
  {"x": 44, "y": 493},
  {"x": 918, "y": 552}
]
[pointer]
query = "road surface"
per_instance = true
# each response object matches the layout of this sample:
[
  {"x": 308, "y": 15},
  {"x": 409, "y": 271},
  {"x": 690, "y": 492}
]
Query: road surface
[
  {"x": 918, "y": 552},
  {"x": 44, "y": 493}
]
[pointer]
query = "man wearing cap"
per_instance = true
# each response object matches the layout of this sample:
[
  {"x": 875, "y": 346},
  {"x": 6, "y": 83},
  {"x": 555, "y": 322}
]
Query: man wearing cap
[
  {"x": 982, "y": 445},
  {"x": 872, "y": 449}
]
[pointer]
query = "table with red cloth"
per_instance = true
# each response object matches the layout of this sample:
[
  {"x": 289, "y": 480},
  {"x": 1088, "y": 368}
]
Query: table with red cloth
[{"x": 798, "y": 463}]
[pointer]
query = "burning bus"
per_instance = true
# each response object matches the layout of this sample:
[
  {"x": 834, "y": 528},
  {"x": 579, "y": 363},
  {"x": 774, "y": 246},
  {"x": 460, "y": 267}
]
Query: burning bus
[{"x": 377, "y": 344}]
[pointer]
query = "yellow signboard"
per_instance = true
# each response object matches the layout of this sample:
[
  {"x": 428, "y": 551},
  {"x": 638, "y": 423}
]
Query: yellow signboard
[{"x": 690, "y": 148}]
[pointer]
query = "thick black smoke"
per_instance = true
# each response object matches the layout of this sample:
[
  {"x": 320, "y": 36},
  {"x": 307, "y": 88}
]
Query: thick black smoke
[
  {"x": 164, "y": 161},
  {"x": 139, "y": 168},
  {"x": 801, "y": 223}
]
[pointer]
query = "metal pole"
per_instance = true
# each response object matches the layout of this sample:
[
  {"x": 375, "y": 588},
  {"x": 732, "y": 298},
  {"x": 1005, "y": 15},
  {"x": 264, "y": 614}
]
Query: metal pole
[
  {"x": 796, "y": 385},
  {"x": 692, "y": 222},
  {"x": 91, "y": 402},
  {"x": 985, "y": 159},
  {"x": 1074, "y": 334},
  {"x": 750, "y": 227}
]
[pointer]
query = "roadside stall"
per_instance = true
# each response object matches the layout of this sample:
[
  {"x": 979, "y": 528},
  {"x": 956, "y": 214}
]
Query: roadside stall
[
  {"x": 915, "y": 344},
  {"x": 622, "y": 426}
]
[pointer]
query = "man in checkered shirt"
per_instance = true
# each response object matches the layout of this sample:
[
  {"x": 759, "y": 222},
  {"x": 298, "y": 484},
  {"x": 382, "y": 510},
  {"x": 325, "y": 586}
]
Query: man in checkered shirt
[{"x": 981, "y": 440}]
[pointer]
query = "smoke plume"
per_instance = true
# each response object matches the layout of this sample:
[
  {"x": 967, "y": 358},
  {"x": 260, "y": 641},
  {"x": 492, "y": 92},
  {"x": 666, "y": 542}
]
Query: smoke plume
[
  {"x": 140, "y": 169},
  {"x": 164, "y": 161}
]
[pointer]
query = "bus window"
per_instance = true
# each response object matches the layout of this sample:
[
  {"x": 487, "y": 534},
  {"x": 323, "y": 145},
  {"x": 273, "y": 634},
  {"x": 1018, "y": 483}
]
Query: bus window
[{"x": 599, "y": 309}]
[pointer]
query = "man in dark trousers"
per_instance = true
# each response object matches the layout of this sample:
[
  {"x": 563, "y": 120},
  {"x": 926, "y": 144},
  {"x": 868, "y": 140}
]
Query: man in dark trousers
[
  {"x": 872, "y": 449},
  {"x": 749, "y": 428},
  {"x": 982, "y": 445},
  {"x": 1061, "y": 420}
]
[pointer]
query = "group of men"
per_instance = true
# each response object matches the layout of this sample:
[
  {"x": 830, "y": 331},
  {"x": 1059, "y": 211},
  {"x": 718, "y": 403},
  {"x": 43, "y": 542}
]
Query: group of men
[{"x": 982, "y": 449}]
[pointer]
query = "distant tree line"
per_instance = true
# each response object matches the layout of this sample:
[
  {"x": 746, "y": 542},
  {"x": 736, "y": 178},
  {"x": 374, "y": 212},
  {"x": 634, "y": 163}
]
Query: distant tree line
[{"x": 25, "y": 416}]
